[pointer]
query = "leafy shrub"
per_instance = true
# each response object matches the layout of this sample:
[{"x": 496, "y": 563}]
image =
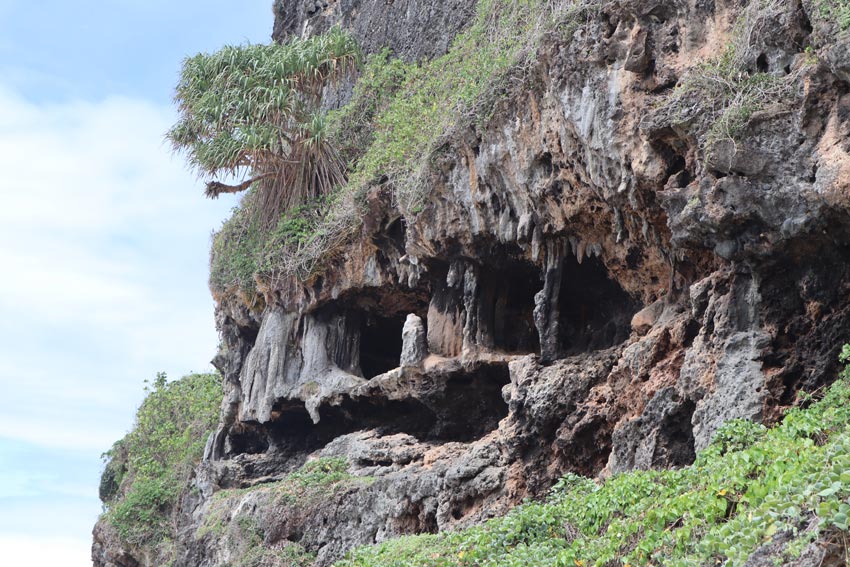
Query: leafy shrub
[
  {"x": 233, "y": 258},
  {"x": 255, "y": 110},
  {"x": 399, "y": 116},
  {"x": 352, "y": 126},
  {"x": 748, "y": 487},
  {"x": 148, "y": 470},
  {"x": 458, "y": 89},
  {"x": 836, "y": 11}
]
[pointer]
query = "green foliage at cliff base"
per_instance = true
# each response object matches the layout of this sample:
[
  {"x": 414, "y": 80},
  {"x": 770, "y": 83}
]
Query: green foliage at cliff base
[
  {"x": 148, "y": 470},
  {"x": 750, "y": 487}
]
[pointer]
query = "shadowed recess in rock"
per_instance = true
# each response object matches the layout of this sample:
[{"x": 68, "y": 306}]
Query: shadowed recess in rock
[
  {"x": 457, "y": 406},
  {"x": 506, "y": 307},
  {"x": 380, "y": 344},
  {"x": 247, "y": 438},
  {"x": 595, "y": 312},
  {"x": 462, "y": 405}
]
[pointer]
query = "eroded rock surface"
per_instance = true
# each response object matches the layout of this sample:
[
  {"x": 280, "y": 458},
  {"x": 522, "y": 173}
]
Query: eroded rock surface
[{"x": 583, "y": 290}]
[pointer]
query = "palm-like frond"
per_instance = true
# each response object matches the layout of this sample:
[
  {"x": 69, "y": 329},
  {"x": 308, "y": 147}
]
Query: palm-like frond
[{"x": 252, "y": 110}]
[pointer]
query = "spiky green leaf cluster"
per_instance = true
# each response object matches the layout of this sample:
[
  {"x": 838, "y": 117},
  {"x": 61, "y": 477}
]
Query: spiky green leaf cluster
[
  {"x": 399, "y": 115},
  {"x": 254, "y": 110}
]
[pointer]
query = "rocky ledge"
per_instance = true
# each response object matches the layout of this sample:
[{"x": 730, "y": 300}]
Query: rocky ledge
[{"x": 586, "y": 289}]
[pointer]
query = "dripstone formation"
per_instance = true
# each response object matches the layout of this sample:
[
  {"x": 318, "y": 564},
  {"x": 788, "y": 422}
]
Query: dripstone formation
[{"x": 583, "y": 291}]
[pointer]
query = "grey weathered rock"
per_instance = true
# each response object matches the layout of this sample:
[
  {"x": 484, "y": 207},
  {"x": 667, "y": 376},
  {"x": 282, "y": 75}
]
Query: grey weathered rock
[
  {"x": 414, "y": 342},
  {"x": 599, "y": 294},
  {"x": 413, "y": 29}
]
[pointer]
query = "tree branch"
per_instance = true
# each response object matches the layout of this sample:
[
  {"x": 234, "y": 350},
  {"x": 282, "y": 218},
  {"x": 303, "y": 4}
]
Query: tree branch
[{"x": 216, "y": 188}]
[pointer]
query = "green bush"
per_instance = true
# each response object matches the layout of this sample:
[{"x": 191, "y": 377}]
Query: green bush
[
  {"x": 399, "y": 116},
  {"x": 148, "y": 470},
  {"x": 836, "y": 11},
  {"x": 457, "y": 90},
  {"x": 352, "y": 126},
  {"x": 233, "y": 257},
  {"x": 255, "y": 110},
  {"x": 748, "y": 487}
]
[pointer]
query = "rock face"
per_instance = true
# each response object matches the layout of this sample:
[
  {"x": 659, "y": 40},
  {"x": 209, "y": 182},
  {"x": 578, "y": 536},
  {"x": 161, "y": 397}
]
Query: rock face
[
  {"x": 414, "y": 29},
  {"x": 583, "y": 290}
]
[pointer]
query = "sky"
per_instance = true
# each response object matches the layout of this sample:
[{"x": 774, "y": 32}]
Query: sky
[{"x": 104, "y": 242}]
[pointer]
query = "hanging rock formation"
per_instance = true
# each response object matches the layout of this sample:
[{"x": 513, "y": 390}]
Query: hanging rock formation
[{"x": 583, "y": 290}]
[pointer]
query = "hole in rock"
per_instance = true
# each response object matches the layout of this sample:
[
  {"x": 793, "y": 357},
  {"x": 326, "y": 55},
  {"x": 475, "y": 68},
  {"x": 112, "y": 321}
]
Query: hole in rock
[
  {"x": 672, "y": 154},
  {"x": 762, "y": 64},
  {"x": 507, "y": 307},
  {"x": 247, "y": 438},
  {"x": 463, "y": 405},
  {"x": 248, "y": 334},
  {"x": 595, "y": 312},
  {"x": 675, "y": 444},
  {"x": 380, "y": 344}
]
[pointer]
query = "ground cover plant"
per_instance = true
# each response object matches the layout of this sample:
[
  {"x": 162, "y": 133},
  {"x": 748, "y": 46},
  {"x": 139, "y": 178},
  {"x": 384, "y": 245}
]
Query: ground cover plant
[{"x": 751, "y": 487}]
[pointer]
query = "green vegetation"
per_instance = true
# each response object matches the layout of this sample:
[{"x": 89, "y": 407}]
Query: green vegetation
[
  {"x": 751, "y": 486},
  {"x": 255, "y": 555},
  {"x": 246, "y": 540},
  {"x": 380, "y": 80},
  {"x": 308, "y": 487},
  {"x": 243, "y": 249},
  {"x": 399, "y": 117},
  {"x": 727, "y": 97},
  {"x": 717, "y": 99},
  {"x": 317, "y": 476},
  {"x": 254, "y": 110},
  {"x": 148, "y": 470},
  {"x": 454, "y": 91},
  {"x": 837, "y": 11}
]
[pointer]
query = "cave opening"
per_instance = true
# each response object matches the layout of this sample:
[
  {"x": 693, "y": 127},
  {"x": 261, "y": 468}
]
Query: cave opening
[
  {"x": 458, "y": 406},
  {"x": 594, "y": 311},
  {"x": 472, "y": 404},
  {"x": 247, "y": 438},
  {"x": 380, "y": 343},
  {"x": 462, "y": 405},
  {"x": 507, "y": 307}
]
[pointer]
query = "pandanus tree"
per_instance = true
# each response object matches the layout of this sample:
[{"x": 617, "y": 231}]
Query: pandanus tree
[{"x": 254, "y": 113}]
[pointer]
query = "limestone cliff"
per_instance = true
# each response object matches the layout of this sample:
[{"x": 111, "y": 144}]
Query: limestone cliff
[{"x": 594, "y": 283}]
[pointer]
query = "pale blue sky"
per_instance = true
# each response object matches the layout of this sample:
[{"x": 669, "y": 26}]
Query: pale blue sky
[{"x": 103, "y": 245}]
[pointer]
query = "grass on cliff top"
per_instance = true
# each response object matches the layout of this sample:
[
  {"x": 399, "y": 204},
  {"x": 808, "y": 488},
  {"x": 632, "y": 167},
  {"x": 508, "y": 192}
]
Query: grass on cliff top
[
  {"x": 750, "y": 487},
  {"x": 148, "y": 470},
  {"x": 399, "y": 116}
]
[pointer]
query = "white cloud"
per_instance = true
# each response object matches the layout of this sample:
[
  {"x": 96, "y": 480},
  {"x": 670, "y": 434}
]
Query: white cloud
[
  {"x": 99, "y": 224},
  {"x": 25, "y": 550},
  {"x": 103, "y": 266}
]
